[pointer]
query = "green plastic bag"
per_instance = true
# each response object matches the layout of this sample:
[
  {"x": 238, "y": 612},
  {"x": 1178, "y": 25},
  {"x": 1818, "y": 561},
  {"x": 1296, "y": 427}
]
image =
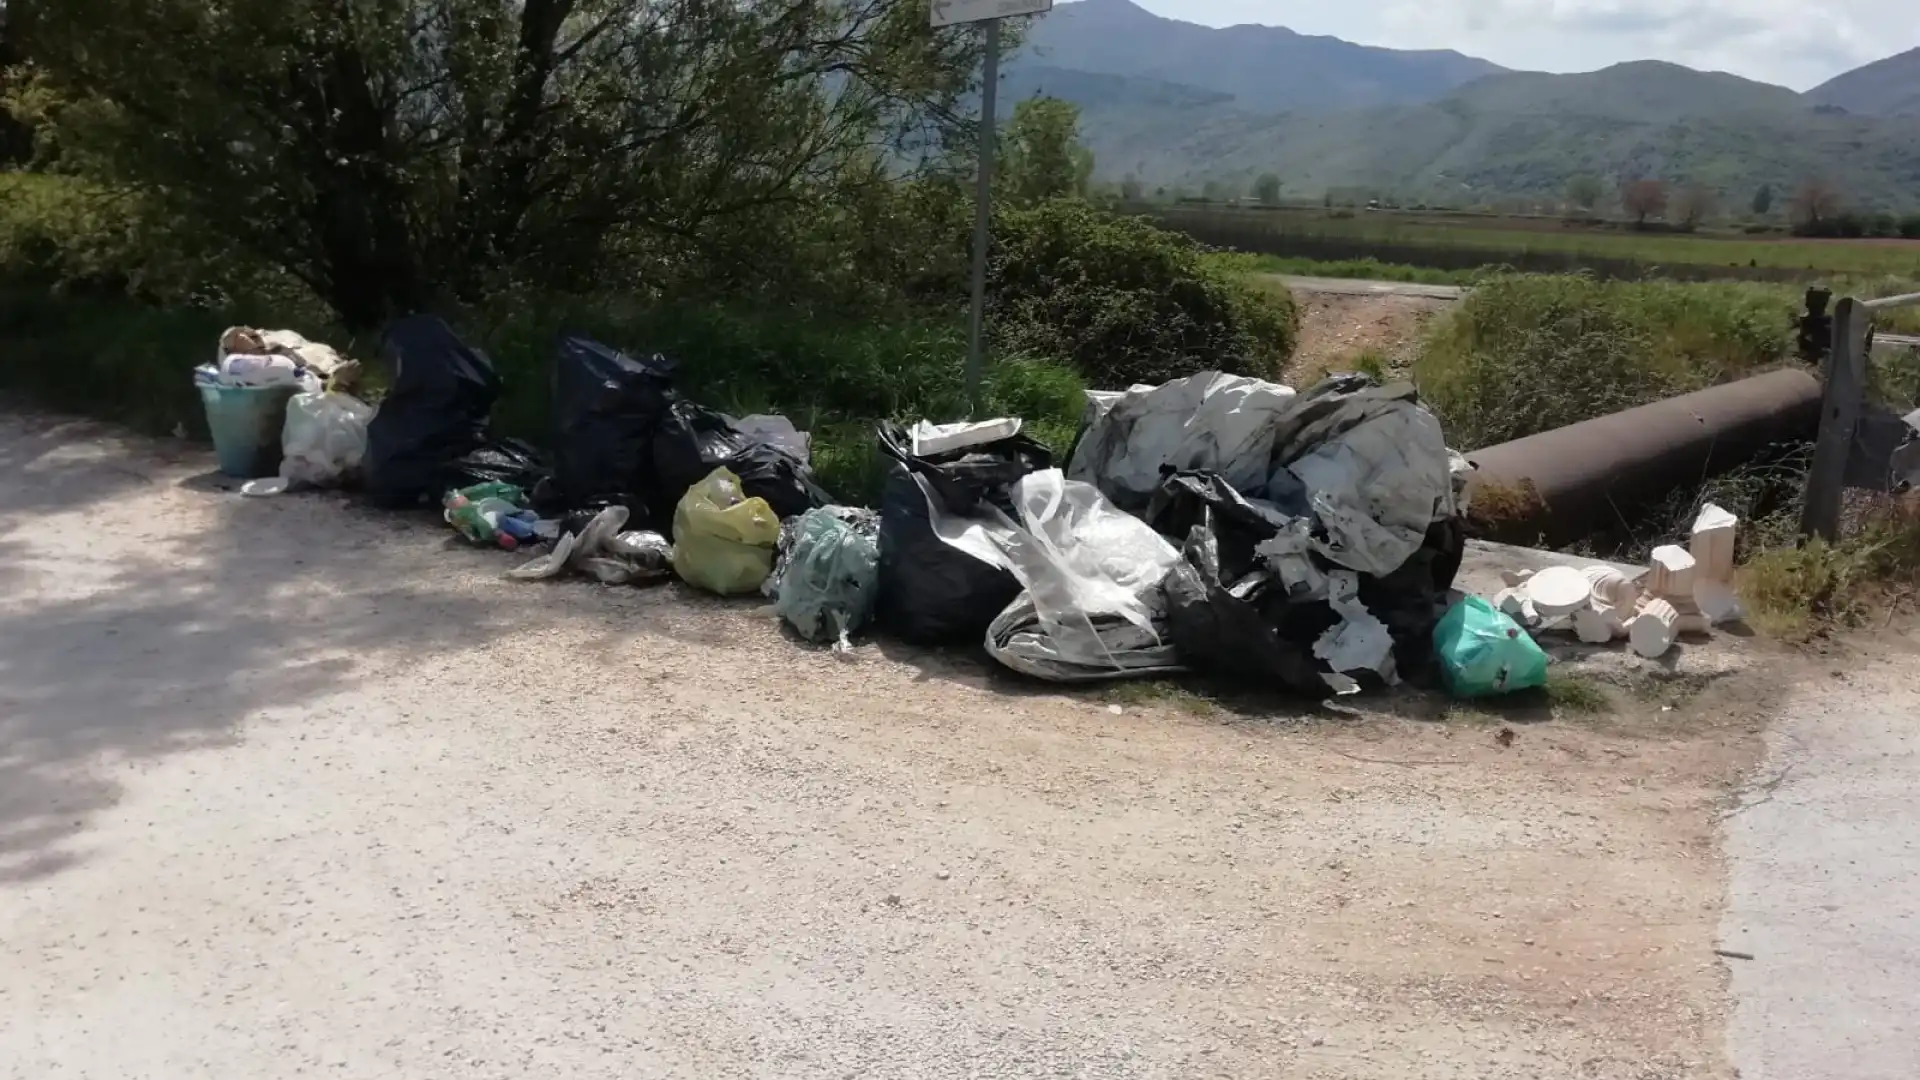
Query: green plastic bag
[
  {"x": 1483, "y": 652},
  {"x": 722, "y": 541},
  {"x": 831, "y": 580},
  {"x": 467, "y": 511}
]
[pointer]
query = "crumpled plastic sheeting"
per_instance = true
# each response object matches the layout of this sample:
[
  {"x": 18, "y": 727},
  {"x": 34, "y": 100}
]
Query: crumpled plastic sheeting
[
  {"x": 1360, "y": 642},
  {"x": 1369, "y": 463},
  {"x": 1337, "y": 561},
  {"x": 601, "y": 551},
  {"x": 1210, "y": 422},
  {"x": 1377, "y": 485},
  {"x": 1092, "y": 606}
]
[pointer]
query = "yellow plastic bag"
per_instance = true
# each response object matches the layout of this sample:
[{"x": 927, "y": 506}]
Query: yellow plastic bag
[{"x": 722, "y": 541}]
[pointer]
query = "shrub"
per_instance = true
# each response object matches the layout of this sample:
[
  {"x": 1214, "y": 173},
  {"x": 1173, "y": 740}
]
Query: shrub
[
  {"x": 1125, "y": 302},
  {"x": 1524, "y": 354},
  {"x": 57, "y": 232}
]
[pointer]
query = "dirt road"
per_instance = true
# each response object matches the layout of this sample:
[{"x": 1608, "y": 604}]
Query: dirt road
[
  {"x": 292, "y": 788},
  {"x": 1359, "y": 287}
]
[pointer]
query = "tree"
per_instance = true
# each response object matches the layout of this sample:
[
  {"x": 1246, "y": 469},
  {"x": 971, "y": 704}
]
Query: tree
[
  {"x": 1815, "y": 204},
  {"x": 1644, "y": 199},
  {"x": 1583, "y": 193},
  {"x": 1695, "y": 204},
  {"x": 389, "y": 153},
  {"x": 1763, "y": 200},
  {"x": 16, "y": 138},
  {"x": 1267, "y": 189},
  {"x": 1042, "y": 157}
]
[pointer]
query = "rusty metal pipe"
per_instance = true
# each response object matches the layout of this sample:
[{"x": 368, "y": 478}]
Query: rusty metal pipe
[{"x": 1560, "y": 486}]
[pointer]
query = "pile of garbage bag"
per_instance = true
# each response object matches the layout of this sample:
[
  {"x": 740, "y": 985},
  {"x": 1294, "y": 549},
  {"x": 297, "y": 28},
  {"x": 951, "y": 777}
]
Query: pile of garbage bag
[
  {"x": 1320, "y": 531},
  {"x": 1217, "y": 523}
]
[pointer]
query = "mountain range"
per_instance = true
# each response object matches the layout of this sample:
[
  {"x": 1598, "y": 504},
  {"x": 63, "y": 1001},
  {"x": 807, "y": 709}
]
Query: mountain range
[{"x": 1173, "y": 104}]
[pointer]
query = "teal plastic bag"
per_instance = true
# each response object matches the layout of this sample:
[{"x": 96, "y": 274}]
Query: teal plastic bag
[
  {"x": 830, "y": 579},
  {"x": 1483, "y": 652}
]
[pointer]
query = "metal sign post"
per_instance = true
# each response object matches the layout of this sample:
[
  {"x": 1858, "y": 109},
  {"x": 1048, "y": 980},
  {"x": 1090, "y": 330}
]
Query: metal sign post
[{"x": 955, "y": 13}]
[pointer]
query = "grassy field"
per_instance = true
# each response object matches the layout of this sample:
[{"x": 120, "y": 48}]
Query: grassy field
[{"x": 1541, "y": 244}]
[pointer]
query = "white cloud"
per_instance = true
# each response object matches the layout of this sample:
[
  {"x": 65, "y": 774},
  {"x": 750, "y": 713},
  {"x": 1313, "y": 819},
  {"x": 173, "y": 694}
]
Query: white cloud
[{"x": 1789, "y": 42}]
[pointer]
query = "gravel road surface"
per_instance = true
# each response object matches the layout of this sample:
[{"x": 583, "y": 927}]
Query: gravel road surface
[{"x": 291, "y": 788}]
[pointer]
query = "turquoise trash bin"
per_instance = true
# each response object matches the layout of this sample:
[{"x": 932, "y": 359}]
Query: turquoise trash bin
[{"x": 246, "y": 422}]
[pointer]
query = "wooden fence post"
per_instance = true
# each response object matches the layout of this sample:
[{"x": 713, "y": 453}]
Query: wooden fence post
[{"x": 1840, "y": 410}]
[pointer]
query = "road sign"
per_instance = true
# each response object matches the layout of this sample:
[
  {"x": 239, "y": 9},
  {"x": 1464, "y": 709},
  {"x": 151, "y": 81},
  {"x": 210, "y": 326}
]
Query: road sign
[{"x": 955, "y": 12}]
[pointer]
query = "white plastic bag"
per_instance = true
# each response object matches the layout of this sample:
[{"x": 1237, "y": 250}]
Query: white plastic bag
[
  {"x": 324, "y": 439},
  {"x": 1092, "y": 606}
]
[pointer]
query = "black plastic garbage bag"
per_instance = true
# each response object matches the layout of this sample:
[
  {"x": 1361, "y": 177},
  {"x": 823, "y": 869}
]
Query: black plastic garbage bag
[
  {"x": 506, "y": 461},
  {"x": 932, "y": 593},
  {"x": 978, "y": 474},
  {"x": 608, "y": 408},
  {"x": 1246, "y": 631},
  {"x": 435, "y": 415},
  {"x": 694, "y": 440}
]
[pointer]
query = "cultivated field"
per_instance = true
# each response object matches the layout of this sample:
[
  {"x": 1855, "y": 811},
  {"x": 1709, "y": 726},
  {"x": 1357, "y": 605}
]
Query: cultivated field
[{"x": 1469, "y": 242}]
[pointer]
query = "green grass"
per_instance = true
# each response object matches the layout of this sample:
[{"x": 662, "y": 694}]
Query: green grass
[
  {"x": 1160, "y": 694},
  {"x": 1360, "y": 270},
  {"x": 1797, "y": 592},
  {"x": 1577, "y": 695}
]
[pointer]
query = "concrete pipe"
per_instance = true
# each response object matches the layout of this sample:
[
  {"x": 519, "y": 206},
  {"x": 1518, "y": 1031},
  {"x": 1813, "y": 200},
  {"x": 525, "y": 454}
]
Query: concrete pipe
[{"x": 1560, "y": 486}]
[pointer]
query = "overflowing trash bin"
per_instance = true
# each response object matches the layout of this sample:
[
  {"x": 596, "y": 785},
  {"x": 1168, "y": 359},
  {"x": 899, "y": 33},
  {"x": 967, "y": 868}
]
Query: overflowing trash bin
[{"x": 246, "y": 422}]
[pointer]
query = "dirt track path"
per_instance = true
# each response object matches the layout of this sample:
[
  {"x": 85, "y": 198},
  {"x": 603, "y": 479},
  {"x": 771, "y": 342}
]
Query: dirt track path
[
  {"x": 291, "y": 788},
  {"x": 1341, "y": 320}
]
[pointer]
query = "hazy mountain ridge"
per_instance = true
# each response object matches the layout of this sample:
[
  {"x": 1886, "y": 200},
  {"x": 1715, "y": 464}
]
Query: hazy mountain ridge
[
  {"x": 1269, "y": 69},
  {"x": 1889, "y": 87},
  {"x": 1174, "y": 104}
]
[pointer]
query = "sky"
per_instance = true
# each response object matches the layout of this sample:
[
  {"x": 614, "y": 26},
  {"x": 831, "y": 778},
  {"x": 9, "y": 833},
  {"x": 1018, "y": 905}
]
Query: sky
[{"x": 1794, "y": 43}]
